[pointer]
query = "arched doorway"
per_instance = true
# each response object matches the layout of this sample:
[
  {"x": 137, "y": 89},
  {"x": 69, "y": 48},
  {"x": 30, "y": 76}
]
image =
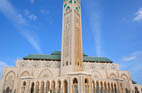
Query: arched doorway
[
  {"x": 53, "y": 86},
  {"x": 97, "y": 87},
  {"x": 105, "y": 88},
  {"x": 59, "y": 87},
  {"x": 112, "y": 90},
  {"x": 121, "y": 88},
  {"x": 136, "y": 90},
  {"x": 93, "y": 86},
  {"x": 37, "y": 87},
  {"x": 47, "y": 86},
  {"x": 8, "y": 90},
  {"x": 75, "y": 85},
  {"x": 65, "y": 86},
  {"x": 23, "y": 89},
  {"x": 86, "y": 86},
  {"x": 115, "y": 89},
  {"x": 42, "y": 87},
  {"x": 32, "y": 88},
  {"x": 101, "y": 90},
  {"x": 126, "y": 90},
  {"x": 109, "y": 88}
]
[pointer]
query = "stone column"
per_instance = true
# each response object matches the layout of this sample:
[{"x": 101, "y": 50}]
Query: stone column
[
  {"x": 80, "y": 89},
  {"x": 69, "y": 85}
]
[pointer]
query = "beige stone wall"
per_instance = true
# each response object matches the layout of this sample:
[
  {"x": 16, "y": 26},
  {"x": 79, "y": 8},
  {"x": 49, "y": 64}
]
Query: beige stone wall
[{"x": 105, "y": 74}]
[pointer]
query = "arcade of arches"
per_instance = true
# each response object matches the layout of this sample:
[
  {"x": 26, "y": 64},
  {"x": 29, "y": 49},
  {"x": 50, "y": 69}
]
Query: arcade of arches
[{"x": 63, "y": 86}]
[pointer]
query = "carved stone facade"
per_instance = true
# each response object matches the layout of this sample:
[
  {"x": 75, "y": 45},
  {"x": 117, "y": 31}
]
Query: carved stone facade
[{"x": 69, "y": 71}]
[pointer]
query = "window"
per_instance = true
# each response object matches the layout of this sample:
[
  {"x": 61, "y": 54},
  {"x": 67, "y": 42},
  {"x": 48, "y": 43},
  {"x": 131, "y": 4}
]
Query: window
[{"x": 67, "y": 63}]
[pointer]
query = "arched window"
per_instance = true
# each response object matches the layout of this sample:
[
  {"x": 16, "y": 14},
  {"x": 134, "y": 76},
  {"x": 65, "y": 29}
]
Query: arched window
[
  {"x": 75, "y": 85},
  {"x": 65, "y": 87},
  {"x": 32, "y": 88},
  {"x": 67, "y": 63},
  {"x": 97, "y": 87}
]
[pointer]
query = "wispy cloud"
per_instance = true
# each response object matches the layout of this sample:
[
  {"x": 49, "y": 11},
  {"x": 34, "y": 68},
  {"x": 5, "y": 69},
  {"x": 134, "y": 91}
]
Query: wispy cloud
[
  {"x": 138, "y": 17},
  {"x": 129, "y": 58},
  {"x": 133, "y": 63},
  {"x": 43, "y": 11},
  {"x": 95, "y": 22},
  {"x": 134, "y": 56},
  {"x": 32, "y": 1},
  {"x": 19, "y": 22},
  {"x": 30, "y": 15}
]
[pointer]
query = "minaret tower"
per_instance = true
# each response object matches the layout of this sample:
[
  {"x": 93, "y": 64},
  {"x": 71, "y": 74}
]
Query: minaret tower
[{"x": 71, "y": 56}]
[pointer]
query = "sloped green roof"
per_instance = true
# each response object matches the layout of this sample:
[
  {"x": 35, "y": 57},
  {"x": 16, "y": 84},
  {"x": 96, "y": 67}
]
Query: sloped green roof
[
  {"x": 46, "y": 57},
  {"x": 56, "y": 53},
  {"x": 57, "y": 56}
]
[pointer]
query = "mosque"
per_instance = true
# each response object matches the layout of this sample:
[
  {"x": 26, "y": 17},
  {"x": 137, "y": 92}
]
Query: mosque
[{"x": 69, "y": 70}]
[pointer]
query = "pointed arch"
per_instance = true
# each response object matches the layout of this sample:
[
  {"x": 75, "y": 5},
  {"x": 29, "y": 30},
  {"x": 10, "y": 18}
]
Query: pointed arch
[
  {"x": 96, "y": 74},
  {"x": 112, "y": 76},
  {"x": 136, "y": 90},
  {"x": 125, "y": 77},
  {"x": 23, "y": 88},
  {"x": 75, "y": 85},
  {"x": 53, "y": 86},
  {"x": 93, "y": 86},
  {"x": 47, "y": 86},
  {"x": 105, "y": 87},
  {"x": 65, "y": 86},
  {"x": 24, "y": 73},
  {"x": 32, "y": 87},
  {"x": 115, "y": 88},
  {"x": 46, "y": 73},
  {"x": 37, "y": 87},
  {"x": 59, "y": 86},
  {"x": 97, "y": 87},
  {"x": 101, "y": 89},
  {"x": 86, "y": 81},
  {"x": 42, "y": 87}
]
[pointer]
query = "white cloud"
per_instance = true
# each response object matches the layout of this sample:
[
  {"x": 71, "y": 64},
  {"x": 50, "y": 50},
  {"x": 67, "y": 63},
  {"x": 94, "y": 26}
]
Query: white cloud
[
  {"x": 44, "y": 11},
  {"x": 94, "y": 22},
  {"x": 19, "y": 22},
  {"x": 138, "y": 16},
  {"x": 134, "y": 56},
  {"x": 30, "y": 15},
  {"x": 133, "y": 63},
  {"x": 32, "y": 1},
  {"x": 130, "y": 58}
]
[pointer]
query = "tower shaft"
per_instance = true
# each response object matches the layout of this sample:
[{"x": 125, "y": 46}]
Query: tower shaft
[{"x": 71, "y": 59}]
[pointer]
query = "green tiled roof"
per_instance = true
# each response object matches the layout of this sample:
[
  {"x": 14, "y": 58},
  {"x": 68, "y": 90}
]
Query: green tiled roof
[{"x": 57, "y": 56}]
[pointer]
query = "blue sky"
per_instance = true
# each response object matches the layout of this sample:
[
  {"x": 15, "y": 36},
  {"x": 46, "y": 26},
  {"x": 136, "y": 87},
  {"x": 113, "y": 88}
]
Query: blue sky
[{"x": 111, "y": 28}]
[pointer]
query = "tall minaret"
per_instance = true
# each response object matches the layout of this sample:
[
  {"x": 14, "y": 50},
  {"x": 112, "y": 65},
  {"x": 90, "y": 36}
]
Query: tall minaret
[{"x": 71, "y": 56}]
